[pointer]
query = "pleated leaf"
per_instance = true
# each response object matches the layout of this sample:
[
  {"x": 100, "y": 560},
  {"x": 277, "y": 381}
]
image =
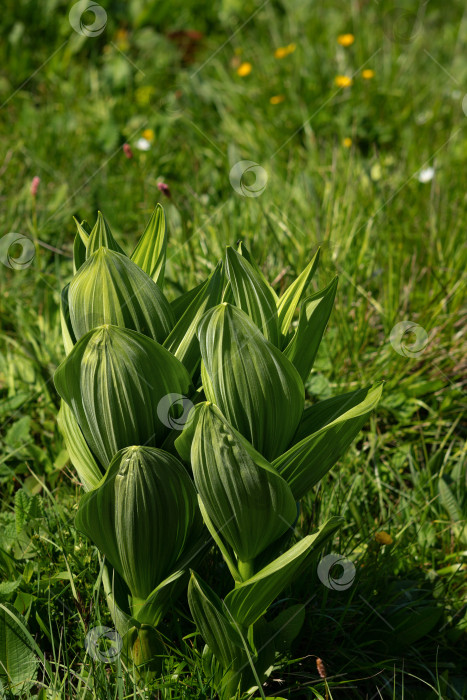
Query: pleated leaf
[
  {"x": 245, "y": 253},
  {"x": 251, "y": 599},
  {"x": 101, "y": 236},
  {"x": 307, "y": 461},
  {"x": 252, "y": 295},
  {"x": 83, "y": 230},
  {"x": 113, "y": 380},
  {"x": 181, "y": 303},
  {"x": 79, "y": 247},
  {"x": 324, "y": 412},
  {"x": 255, "y": 386},
  {"x": 150, "y": 253},
  {"x": 183, "y": 341},
  {"x": 141, "y": 516},
  {"x": 18, "y": 661},
  {"x": 292, "y": 296},
  {"x": 110, "y": 288},
  {"x": 80, "y": 455},
  {"x": 219, "y": 633},
  {"x": 68, "y": 335},
  {"x": 248, "y": 503},
  {"x": 313, "y": 318}
]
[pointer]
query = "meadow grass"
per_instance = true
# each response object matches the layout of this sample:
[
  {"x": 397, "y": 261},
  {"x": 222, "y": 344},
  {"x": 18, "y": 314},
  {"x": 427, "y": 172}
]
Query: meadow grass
[{"x": 69, "y": 103}]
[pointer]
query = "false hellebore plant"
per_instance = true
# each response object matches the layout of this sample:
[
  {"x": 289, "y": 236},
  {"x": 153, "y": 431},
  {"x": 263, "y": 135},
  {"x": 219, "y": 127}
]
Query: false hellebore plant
[{"x": 248, "y": 453}]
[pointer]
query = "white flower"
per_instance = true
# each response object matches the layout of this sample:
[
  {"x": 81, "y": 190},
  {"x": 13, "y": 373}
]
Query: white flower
[
  {"x": 143, "y": 144},
  {"x": 426, "y": 174}
]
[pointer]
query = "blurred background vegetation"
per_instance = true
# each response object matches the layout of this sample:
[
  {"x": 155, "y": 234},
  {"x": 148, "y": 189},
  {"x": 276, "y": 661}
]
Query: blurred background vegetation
[{"x": 206, "y": 85}]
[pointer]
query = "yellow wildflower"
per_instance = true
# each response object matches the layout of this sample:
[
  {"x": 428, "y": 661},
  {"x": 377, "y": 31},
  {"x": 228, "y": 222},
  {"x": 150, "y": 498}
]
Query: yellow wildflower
[
  {"x": 244, "y": 69},
  {"x": 343, "y": 81},
  {"x": 347, "y": 142},
  {"x": 276, "y": 99},
  {"x": 148, "y": 134},
  {"x": 345, "y": 39},
  {"x": 368, "y": 74},
  {"x": 383, "y": 538},
  {"x": 143, "y": 94},
  {"x": 284, "y": 51}
]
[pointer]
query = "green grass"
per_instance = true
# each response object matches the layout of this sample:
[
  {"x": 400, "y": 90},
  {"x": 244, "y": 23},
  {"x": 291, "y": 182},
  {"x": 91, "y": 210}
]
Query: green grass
[{"x": 398, "y": 246}]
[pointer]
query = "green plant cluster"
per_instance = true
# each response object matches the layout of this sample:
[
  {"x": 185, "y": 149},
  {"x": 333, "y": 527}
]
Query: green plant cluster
[{"x": 234, "y": 466}]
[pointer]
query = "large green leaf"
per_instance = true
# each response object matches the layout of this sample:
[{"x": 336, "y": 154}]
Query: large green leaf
[
  {"x": 83, "y": 230},
  {"x": 307, "y": 461},
  {"x": 219, "y": 633},
  {"x": 252, "y": 295},
  {"x": 248, "y": 503},
  {"x": 181, "y": 303},
  {"x": 150, "y": 252},
  {"x": 101, "y": 236},
  {"x": 110, "y": 288},
  {"x": 68, "y": 335},
  {"x": 245, "y": 253},
  {"x": 18, "y": 661},
  {"x": 77, "y": 447},
  {"x": 142, "y": 516},
  {"x": 251, "y": 599},
  {"x": 256, "y": 387},
  {"x": 182, "y": 341},
  {"x": 79, "y": 247},
  {"x": 113, "y": 380},
  {"x": 314, "y": 315},
  {"x": 293, "y": 295}
]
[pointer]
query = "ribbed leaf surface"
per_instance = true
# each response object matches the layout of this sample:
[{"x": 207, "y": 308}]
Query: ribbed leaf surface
[
  {"x": 182, "y": 341},
  {"x": 217, "y": 630},
  {"x": 101, "y": 236},
  {"x": 248, "y": 503},
  {"x": 292, "y": 296},
  {"x": 110, "y": 288},
  {"x": 314, "y": 315},
  {"x": 250, "y": 599},
  {"x": 18, "y": 662},
  {"x": 150, "y": 252},
  {"x": 79, "y": 247},
  {"x": 252, "y": 295},
  {"x": 310, "y": 459},
  {"x": 141, "y": 516},
  {"x": 77, "y": 448},
  {"x": 113, "y": 380},
  {"x": 68, "y": 335},
  {"x": 256, "y": 387}
]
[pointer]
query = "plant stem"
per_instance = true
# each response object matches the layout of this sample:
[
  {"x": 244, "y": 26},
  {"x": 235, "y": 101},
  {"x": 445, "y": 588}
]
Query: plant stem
[{"x": 246, "y": 569}]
